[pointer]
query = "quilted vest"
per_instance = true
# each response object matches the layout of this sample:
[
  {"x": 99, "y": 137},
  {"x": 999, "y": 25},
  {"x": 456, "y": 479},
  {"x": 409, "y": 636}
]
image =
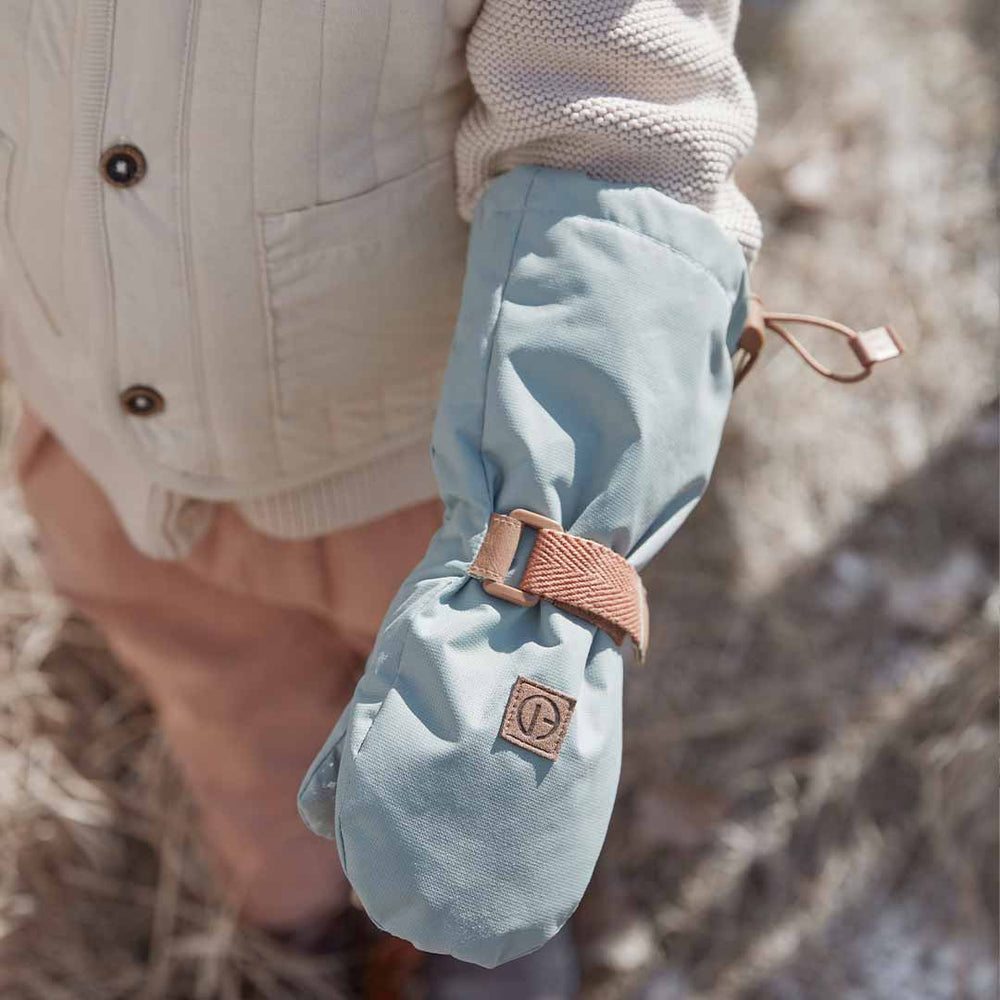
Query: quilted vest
[{"x": 230, "y": 253}]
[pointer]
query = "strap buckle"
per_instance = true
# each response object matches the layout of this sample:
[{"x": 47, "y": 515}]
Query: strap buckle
[
  {"x": 504, "y": 590},
  {"x": 576, "y": 574}
]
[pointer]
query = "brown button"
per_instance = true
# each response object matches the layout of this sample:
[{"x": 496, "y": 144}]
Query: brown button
[
  {"x": 123, "y": 165},
  {"x": 142, "y": 401}
]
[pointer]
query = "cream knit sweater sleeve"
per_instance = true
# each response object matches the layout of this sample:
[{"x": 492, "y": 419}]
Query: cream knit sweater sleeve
[{"x": 645, "y": 92}]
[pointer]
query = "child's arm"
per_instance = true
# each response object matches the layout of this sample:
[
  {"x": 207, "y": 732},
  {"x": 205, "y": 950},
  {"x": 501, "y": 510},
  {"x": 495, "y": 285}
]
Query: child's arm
[{"x": 469, "y": 784}]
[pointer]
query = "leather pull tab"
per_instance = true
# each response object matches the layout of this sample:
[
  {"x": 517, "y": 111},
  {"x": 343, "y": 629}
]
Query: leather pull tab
[
  {"x": 870, "y": 347},
  {"x": 875, "y": 346}
]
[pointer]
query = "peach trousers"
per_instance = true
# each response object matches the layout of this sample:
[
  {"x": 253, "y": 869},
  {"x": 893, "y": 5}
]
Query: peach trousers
[{"x": 248, "y": 649}]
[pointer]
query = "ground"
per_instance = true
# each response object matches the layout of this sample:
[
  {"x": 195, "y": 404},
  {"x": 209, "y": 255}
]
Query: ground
[{"x": 808, "y": 798}]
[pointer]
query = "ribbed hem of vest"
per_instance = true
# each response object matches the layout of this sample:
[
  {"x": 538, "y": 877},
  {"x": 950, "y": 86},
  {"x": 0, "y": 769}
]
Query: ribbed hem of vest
[{"x": 397, "y": 480}]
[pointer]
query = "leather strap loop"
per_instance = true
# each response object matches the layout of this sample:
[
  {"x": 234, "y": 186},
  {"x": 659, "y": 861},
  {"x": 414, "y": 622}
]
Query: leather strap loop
[{"x": 870, "y": 347}]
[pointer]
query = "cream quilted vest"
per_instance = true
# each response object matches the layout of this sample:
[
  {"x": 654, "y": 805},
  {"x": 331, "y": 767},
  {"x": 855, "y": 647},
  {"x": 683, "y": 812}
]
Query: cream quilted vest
[{"x": 286, "y": 274}]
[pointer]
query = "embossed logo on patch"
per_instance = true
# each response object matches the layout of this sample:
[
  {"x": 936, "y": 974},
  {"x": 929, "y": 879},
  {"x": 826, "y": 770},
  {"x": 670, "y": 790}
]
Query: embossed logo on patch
[{"x": 537, "y": 717}]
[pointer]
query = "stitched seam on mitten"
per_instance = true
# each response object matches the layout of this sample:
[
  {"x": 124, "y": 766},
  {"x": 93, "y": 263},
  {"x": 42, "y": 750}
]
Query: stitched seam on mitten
[
  {"x": 488, "y": 492},
  {"x": 731, "y": 294}
]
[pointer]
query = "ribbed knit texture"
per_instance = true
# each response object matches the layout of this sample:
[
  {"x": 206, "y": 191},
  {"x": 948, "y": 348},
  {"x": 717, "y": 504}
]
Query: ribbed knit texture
[
  {"x": 348, "y": 498},
  {"x": 647, "y": 92}
]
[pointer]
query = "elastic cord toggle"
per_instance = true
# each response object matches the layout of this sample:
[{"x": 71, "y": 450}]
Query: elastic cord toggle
[{"x": 870, "y": 347}]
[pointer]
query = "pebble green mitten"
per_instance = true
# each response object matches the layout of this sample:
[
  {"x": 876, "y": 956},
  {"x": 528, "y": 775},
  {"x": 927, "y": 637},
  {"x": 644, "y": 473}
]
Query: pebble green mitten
[{"x": 589, "y": 381}]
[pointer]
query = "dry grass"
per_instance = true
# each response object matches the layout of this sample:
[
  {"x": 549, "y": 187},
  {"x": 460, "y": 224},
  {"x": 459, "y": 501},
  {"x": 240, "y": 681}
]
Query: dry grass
[{"x": 808, "y": 798}]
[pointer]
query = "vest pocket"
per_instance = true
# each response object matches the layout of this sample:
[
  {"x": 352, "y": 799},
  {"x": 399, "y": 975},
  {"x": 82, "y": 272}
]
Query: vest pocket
[{"x": 362, "y": 297}]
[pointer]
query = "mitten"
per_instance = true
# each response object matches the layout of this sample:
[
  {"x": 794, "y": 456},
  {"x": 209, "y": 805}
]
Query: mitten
[{"x": 469, "y": 783}]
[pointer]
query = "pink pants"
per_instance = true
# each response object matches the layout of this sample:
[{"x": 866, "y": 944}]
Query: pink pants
[{"x": 248, "y": 649}]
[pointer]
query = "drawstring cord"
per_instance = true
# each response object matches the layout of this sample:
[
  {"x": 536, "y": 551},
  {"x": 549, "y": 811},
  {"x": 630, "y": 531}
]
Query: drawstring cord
[{"x": 870, "y": 347}]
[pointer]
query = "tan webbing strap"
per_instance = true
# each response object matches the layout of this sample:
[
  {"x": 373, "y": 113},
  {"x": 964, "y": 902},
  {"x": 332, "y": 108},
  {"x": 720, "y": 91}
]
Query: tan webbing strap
[{"x": 577, "y": 574}]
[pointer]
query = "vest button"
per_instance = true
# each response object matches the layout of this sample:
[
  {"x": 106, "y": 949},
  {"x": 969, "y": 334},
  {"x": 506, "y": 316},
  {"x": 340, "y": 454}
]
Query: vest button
[
  {"x": 142, "y": 401},
  {"x": 123, "y": 165}
]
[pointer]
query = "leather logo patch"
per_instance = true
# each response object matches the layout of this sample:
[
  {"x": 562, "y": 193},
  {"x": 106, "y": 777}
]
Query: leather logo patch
[{"x": 537, "y": 717}]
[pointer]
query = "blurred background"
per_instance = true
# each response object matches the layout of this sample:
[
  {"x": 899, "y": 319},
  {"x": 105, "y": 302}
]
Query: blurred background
[{"x": 808, "y": 809}]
